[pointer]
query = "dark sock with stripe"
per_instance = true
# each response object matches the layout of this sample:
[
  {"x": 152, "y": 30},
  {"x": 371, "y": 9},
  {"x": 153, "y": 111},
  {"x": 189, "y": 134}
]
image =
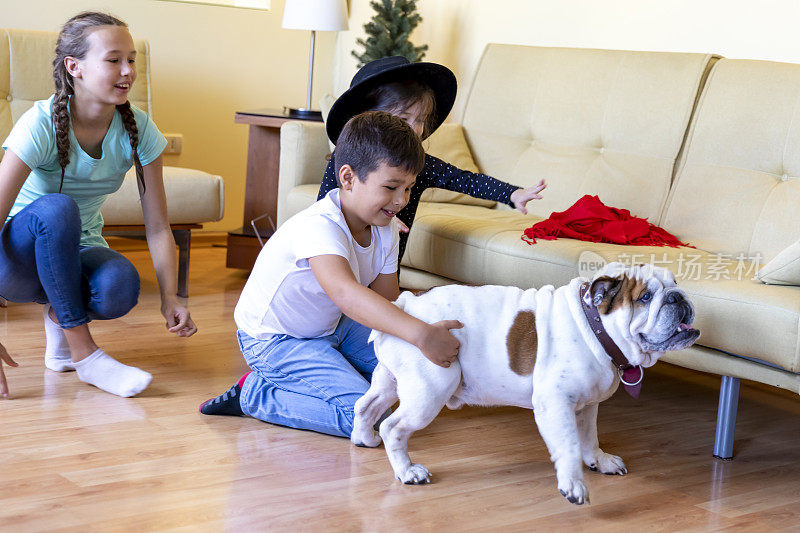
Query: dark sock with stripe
[{"x": 226, "y": 403}]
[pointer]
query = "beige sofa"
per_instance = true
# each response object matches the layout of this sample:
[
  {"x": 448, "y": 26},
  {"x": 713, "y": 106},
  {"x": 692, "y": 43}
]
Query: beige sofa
[
  {"x": 193, "y": 196},
  {"x": 707, "y": 148}
]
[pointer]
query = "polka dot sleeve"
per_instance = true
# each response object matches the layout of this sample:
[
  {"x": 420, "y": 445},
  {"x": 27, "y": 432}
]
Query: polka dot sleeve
[
  {"x": 328, "y": 179},
  {"x": 443, "y": 175}
]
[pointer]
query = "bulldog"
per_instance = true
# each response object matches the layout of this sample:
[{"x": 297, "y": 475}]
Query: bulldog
[{"x": 544, "y": 349}]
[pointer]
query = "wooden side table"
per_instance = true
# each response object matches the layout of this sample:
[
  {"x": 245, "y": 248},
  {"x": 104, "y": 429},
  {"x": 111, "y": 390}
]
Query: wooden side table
[{"x": 261, "y": 188}]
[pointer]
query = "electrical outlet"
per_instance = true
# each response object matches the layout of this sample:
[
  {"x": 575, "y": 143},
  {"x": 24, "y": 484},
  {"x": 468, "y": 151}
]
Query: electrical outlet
[{"x": 174, "y": 143}]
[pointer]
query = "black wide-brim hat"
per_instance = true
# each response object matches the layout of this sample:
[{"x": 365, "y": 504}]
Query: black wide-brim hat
[{"x": 386, "y": 70}]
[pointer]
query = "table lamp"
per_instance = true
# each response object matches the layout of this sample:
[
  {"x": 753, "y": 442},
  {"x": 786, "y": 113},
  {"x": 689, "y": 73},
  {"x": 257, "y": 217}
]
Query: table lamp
[{"x": 314, "y": 15}]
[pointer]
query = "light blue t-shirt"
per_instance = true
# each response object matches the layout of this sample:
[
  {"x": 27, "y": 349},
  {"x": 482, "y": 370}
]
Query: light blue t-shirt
[{"x": 87, "y": 180}]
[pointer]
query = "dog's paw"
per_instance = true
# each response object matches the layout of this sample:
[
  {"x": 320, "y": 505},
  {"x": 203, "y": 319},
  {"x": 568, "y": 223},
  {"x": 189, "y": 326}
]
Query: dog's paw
[
  {"x": 415, "y": 474},
  {"x": 366, "y": 439},
  {"x": 574, "y": 491},
  {"x": 608, "y": 464}
]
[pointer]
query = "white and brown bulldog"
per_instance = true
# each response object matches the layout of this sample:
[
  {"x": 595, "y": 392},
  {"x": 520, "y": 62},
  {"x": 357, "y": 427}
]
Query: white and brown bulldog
[{"x": 545, "y": 349}]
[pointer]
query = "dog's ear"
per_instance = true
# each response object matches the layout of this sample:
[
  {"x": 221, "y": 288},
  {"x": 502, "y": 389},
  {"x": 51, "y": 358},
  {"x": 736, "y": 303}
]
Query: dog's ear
[{"x": 603, "y": 290}]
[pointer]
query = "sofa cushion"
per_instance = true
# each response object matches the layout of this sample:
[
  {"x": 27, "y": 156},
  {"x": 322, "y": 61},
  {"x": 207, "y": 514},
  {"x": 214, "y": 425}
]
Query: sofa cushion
[
  {"x": 193, "y": 197},
  {"x": 450, "y": 240},
  {"x": 602, "y": 122},
  {"x": 738, "y": 189},
  {"x": 784, "y": 269},
  {"x": 734, "y": 312},
  {"x": 448, "y": 144}
]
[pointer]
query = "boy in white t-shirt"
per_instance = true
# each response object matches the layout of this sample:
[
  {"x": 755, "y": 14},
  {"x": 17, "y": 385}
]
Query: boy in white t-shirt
[{"x": 323, "y": 281}]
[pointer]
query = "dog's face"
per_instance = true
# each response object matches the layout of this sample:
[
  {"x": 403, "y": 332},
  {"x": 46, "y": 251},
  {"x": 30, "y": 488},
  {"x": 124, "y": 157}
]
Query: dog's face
[{"x": 643, "y": 310}]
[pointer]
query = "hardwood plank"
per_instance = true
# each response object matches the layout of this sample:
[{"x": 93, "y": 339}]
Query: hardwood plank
[{"x": 74, "y": 458}]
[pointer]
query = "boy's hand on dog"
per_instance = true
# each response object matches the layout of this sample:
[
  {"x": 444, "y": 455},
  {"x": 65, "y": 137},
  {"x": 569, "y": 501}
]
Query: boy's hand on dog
[
  {"x": 439, "y": 345},
  {"x": 521, "y": 197}
]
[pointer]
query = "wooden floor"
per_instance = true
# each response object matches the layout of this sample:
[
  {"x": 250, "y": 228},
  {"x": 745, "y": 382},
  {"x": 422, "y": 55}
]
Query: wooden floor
[{"x": 75, "y": 458}]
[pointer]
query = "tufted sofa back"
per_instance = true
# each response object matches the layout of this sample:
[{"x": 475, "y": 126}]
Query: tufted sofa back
[
  {"x": 602, "y": 122},
  {"x": 737, "y": 191},
  {"x": 26, "y": 66}
]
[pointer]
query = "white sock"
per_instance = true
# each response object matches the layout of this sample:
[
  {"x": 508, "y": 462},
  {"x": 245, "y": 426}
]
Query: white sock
[
  {"x": 57, "y": 356},
  {"x": 108, "y": 374}
]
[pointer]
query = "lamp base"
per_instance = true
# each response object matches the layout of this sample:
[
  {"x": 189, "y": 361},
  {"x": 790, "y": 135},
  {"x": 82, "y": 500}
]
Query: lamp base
[{"x": 302, "y": 112}]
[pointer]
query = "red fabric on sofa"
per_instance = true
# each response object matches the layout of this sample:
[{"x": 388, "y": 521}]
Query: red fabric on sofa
[{"x": 589, "y": 219}]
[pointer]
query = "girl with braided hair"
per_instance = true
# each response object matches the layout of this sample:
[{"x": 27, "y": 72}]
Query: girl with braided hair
[{"x": 63, "y": 157}]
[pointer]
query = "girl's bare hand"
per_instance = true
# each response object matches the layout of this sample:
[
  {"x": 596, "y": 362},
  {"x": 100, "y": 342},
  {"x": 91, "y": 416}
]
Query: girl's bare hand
[
  {"x": 521, "y": 197},
  {"x": 179, "y": 321},
  {"x": 4, "y": 358}
]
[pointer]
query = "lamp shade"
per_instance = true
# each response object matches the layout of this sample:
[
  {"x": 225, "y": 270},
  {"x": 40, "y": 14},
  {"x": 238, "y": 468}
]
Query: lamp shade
[{"x": 317, "y": 15}]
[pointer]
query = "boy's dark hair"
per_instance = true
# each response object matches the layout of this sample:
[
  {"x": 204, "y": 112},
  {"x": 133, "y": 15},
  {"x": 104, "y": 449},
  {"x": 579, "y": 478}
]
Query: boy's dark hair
[{"x": 376, "y": 137}]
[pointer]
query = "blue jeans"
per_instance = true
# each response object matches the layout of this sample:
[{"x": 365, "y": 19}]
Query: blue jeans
[
  {"x": 308, "y": 383},
  {"x": 41, "y": 261}
]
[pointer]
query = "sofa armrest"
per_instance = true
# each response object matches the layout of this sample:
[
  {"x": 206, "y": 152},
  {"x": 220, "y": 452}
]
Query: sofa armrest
[{"x": 304, "y": 146}]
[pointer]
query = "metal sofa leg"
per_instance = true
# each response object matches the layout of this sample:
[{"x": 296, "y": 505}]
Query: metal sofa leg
[
  {"x": 183, "y": 238},
  {"x": 726, "y": 417}
]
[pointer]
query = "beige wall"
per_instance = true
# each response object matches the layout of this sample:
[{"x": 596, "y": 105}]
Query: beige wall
[
  {"x": 207, "y": 63},
  {"x": 457, "y": 30}
]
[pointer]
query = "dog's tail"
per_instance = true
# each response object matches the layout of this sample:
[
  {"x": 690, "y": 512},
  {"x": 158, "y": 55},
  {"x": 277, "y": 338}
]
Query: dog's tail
[{"x": 376, "y": 335}]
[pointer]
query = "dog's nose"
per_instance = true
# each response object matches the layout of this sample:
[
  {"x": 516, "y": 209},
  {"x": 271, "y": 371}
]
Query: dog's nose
[{"x": 674, "y": 297}]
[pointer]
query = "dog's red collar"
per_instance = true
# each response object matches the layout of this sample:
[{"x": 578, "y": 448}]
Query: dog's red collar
[{"x": 630, "y": 376}]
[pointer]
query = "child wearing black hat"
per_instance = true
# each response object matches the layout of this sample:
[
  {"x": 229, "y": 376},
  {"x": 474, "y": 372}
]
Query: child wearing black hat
[{"x": 422, "y": 94}]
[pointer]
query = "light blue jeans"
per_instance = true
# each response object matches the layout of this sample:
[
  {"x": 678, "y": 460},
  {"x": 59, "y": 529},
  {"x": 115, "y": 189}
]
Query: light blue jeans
[{"x": 308, "y": 383}]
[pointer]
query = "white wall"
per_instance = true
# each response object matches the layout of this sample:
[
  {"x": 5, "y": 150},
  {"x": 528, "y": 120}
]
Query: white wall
[{"x": 457, "y": 30}]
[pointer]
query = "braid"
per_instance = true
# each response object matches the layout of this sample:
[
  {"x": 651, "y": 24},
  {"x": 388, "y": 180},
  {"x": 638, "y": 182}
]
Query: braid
[
  {"x": 61, "y": 123},
  {"x": 72, "y": 42},
  {"x": 133, "y": 134}
]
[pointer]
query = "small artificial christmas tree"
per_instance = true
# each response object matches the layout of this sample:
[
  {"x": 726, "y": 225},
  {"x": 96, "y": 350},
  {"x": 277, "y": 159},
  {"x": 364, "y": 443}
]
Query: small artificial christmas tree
[{"x": 389, "y": 30}]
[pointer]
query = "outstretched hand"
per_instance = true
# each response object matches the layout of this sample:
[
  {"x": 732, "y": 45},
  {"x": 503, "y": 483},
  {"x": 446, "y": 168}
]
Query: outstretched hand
[
  {"x": 521, "y": 197},
  {"x": 4, "y": 358},
  {"x": 179, "y": 321}
]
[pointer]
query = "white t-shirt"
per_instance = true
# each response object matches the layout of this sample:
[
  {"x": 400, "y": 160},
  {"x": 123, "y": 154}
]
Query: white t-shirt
[{"x": 282, "y": 295}]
